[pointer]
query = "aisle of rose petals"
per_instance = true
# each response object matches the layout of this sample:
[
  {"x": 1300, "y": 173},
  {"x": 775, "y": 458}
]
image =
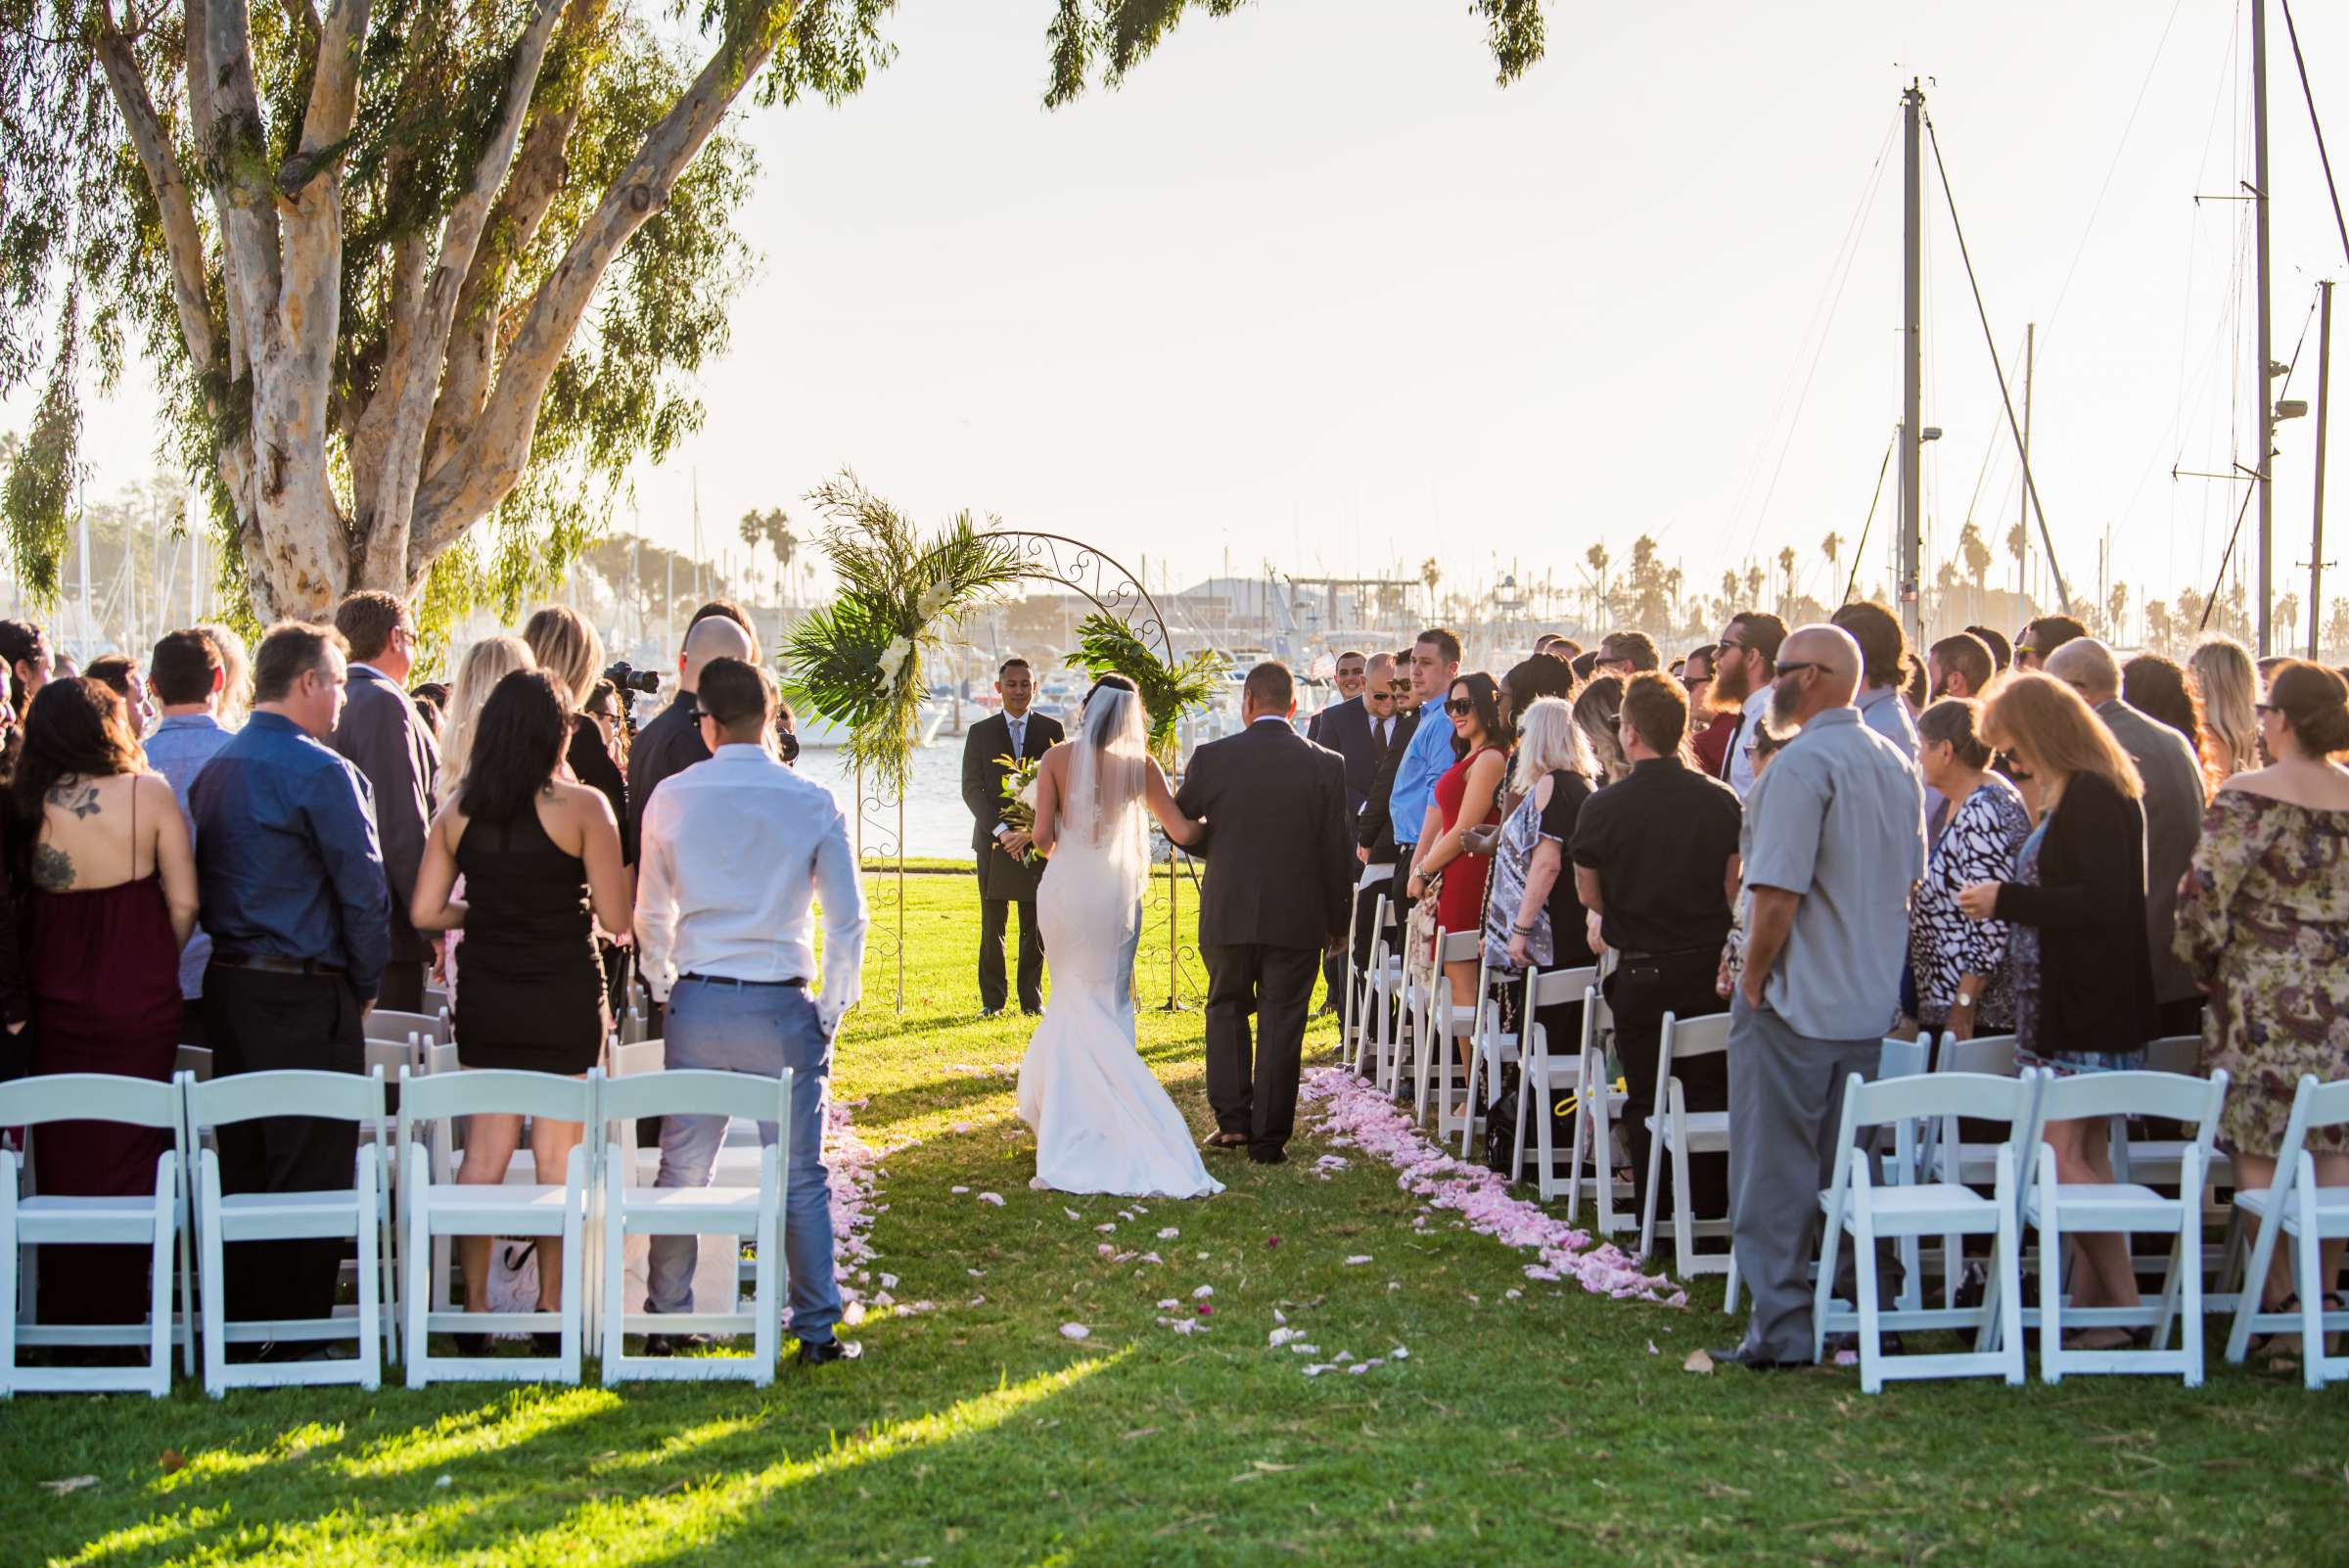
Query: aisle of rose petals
[
  {"x": 1355, "y": 1115},
  {"x": 857, "y": 1172}
]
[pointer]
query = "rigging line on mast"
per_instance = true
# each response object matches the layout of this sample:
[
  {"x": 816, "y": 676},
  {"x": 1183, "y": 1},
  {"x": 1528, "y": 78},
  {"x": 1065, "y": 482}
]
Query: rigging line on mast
[
  {"x": 2323, "y": 157},
  {"x": 2063, "y": 593},
  {"x": 2249, "y": 491},
  {"x": 1859, "y": 550},
  {"x": 1846, "y": 257}
]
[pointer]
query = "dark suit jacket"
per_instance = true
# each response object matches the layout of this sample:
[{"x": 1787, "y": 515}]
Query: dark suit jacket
[
  {"x": 670, "y": 742},
  {"x": 1279, "y": 865},
  {"x": 385, "y": 739},
  {"x": 1374, "y": 830},
  {"x": 1003, "y": 877},
  {"x": 1345, "y": 728},
  {"x": 2096, "y": 977},
  {"x": 2174, "y": 801}
]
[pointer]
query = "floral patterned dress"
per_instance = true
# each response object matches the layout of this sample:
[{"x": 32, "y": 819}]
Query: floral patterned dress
[
  {"x": 2264, "y": 921},
  {"x": 1981, "y": 844}
]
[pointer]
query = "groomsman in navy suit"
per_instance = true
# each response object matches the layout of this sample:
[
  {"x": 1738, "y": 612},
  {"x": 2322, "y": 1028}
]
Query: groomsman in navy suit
[
  {"x": 1344, "y": 726},
  {"x": 1005, "y": 878}
]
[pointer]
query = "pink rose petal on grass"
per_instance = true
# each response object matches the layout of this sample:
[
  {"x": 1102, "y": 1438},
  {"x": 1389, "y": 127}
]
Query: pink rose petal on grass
[
  {"x": 1168, "y": 1234},
  {"x": 1357, "y": 1258},
  {"x": 1203, "y": 1292},
  {"x": 1075, "y": 1331},
  {"x": 996, "y": 1198}
]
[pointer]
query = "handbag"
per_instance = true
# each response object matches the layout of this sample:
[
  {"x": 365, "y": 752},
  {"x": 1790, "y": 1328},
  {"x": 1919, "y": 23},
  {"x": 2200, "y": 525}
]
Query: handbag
[{"x": 1419, "y": 940}]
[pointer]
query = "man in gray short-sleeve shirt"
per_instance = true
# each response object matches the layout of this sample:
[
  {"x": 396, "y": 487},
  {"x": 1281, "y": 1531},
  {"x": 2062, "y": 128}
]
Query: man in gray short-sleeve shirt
[{"x": 1833, "y": 841}]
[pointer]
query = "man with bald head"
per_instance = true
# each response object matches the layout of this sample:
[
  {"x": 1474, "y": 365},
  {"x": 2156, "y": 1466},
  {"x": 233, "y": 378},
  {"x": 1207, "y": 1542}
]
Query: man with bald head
[
  {"x": 2173, "y": 801},
  {"x": 1833, "y": 840},
  {"x": 672, "y": 742}
]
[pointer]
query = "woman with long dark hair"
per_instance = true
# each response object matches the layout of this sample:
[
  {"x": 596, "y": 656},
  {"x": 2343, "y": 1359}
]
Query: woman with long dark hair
[
  {"x": 540, "y": 859},
  {"x": 1467, "y": 796},
  {"x": 2158, "y": 688},
  {"x": 102, "y": 845}
]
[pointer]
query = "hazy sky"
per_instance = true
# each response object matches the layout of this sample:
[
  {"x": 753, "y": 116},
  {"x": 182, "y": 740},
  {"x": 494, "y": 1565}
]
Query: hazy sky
[{"x": 1311, "y": 287}]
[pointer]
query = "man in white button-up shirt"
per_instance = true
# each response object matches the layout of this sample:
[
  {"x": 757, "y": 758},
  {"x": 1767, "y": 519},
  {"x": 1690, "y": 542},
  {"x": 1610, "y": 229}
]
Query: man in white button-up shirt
[{"x": 735, "y": 851}]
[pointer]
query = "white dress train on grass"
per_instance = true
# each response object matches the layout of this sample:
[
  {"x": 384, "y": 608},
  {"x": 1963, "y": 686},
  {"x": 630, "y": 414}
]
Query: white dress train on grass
[{"x": 1104, "y": 1122}]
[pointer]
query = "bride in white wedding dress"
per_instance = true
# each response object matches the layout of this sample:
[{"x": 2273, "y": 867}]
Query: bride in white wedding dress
[{"x": 1104, "y": 1122}]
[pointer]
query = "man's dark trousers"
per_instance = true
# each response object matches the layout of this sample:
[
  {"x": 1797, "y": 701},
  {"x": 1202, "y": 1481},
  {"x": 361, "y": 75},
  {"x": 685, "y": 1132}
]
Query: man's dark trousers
[
  {"x": 264, "y": 1021},
  {"x": 1254, "y": 1091},
  {"x": 1643, "y": 987},
  {"x": 994, "y": 915}
]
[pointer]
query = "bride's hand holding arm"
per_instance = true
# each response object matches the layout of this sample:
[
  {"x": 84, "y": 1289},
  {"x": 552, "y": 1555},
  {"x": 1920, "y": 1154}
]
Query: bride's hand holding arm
[{"x": 1180, "y": 829}]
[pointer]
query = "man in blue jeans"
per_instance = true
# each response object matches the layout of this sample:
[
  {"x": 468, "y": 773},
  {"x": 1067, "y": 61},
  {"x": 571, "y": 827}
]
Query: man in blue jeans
[{"x": 734, "y": 852}]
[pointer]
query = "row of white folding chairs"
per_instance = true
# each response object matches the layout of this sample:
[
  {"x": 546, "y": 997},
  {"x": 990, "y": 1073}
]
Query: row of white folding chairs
[{"x": 433, "y": 1206}]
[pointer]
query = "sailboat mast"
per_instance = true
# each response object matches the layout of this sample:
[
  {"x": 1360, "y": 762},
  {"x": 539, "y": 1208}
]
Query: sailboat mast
[
  {"x": 2260, "y": 381},
  {"x": 1911, "y": 364}
]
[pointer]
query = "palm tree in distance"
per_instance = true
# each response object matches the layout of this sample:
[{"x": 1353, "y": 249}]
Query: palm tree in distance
[{"x": 1833, "y": 548}]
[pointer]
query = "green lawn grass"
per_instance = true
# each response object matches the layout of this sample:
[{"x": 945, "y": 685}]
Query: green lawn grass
[{"x": 1529, "y": 1429}]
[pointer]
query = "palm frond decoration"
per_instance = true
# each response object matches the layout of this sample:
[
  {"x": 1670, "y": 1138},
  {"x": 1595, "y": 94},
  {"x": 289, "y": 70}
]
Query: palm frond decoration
[
  {"x": 858, "y": 662},
  {"x": 1106, "y": 645}
]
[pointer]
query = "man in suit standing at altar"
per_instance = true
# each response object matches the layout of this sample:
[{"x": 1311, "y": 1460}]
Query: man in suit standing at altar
[{"x": 1005, "y": 878}]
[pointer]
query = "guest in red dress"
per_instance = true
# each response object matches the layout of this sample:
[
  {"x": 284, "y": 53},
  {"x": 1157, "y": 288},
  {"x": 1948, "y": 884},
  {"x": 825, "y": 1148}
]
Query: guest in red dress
[
  {"x": 106, "y": 853},
  {"x": 1467, "y": 796}
]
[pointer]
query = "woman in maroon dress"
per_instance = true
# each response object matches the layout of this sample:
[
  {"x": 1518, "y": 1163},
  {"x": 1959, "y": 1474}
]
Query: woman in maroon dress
[
  {"x": 100, "y": 842},
  {"x": 1467, "y": 796}
]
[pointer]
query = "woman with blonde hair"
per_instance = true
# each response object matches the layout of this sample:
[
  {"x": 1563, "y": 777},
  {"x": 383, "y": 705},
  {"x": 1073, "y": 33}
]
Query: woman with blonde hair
[
  {"x": 2075, "y": 918},
  {"x": 485, "y": 664},
  {"x": 2229, "y": 682},
  {"x": 568, "y": 649},
  {"x": 236, "y": 675}
]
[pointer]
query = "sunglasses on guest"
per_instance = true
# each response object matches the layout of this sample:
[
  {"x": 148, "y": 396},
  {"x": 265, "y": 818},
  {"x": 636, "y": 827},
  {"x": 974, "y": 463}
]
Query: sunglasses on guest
[
  {"x": 1400, "y": 684},
  {"x": 1460, "y": 707}
]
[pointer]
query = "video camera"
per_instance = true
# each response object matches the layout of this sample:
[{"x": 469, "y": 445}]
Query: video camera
[{"x": 627, "y": 681}]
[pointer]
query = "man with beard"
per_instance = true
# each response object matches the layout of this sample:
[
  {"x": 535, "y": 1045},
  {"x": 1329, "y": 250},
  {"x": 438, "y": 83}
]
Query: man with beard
[
  {"x": 1833, "y": 842},
  {"x": 1743, "y": 665}
]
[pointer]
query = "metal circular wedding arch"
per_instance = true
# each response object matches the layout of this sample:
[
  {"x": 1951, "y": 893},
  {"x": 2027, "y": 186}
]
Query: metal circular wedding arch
[{"x": 1072, "y": 566}]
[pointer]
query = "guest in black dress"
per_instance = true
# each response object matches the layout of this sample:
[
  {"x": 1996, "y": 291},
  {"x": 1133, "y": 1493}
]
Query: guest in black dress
[
  {"x": 540, "y": 859},
  {"x": 567, "y": 648}
]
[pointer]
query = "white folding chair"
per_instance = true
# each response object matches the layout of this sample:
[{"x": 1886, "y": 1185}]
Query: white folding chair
[
  {"x": 438, "y": 1001},
  {"x": 1906, "y": 1164},
  {"x": 386, "y": 1025},
  {"x": 1386, "y": 1002},
  {"x": 1598, "y": 1107},
  {"x": 2294, "y": 1206},
  {"x": 2055, "y": 1207},
  {"x": 1542, "y": 1074},
  {"x": 1350, "y": 1036},
  {"x": 1949, "y": 1157},
  {"x": 1676, "y": 1131},
  {"x": 435, "y": 1207},
  {"x": 359, "y": 1212},
  {"x": 1856, "y": 1207},
  {"x": 1442, "y": 1021},
  {"x": 194, "y": 1060},
  {"x": 755, "y": 1213},
  {"x": 155, "y": 1220},
  {"x": 1491, "y": 1049}
]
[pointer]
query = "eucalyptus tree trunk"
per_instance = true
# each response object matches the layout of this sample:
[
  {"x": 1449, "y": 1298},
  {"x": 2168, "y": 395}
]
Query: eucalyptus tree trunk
[{"x": 339, "y": 486}]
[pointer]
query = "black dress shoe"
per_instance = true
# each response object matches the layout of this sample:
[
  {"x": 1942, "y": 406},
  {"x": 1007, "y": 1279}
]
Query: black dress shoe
[
  {"x": 1754, "y": 1360},
  {"x": 675, "y": 1344},
  {"x": 817, "y": 1352},
  {"x": 1225, "y": 1142},
  {"x": 1266, "y": 1157},
  {"x": 472, "y": 1346},
  {"x": 991, "y": 1012},
  {"x": 1837, "y": 1344}
]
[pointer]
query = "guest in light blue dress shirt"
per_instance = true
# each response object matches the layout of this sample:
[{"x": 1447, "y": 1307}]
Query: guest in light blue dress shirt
[{"x": 185, "y": 675}]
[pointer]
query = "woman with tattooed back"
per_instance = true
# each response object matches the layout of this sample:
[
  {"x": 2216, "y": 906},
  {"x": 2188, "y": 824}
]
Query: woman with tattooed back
[{"x": 100, "y": 842}]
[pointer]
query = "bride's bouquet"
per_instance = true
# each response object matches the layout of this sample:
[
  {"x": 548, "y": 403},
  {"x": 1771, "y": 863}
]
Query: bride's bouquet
[{"x": 1019, "y": 798}]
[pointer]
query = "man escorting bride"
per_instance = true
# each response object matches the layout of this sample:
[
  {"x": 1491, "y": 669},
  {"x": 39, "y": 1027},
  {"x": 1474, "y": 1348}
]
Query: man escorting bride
[{"x": 1104, "y": 1122}]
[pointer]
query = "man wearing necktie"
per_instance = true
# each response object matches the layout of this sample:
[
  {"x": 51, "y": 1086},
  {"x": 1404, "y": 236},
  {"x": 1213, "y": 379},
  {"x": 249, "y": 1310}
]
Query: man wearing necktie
[{"x": 1005, "y": 878}]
